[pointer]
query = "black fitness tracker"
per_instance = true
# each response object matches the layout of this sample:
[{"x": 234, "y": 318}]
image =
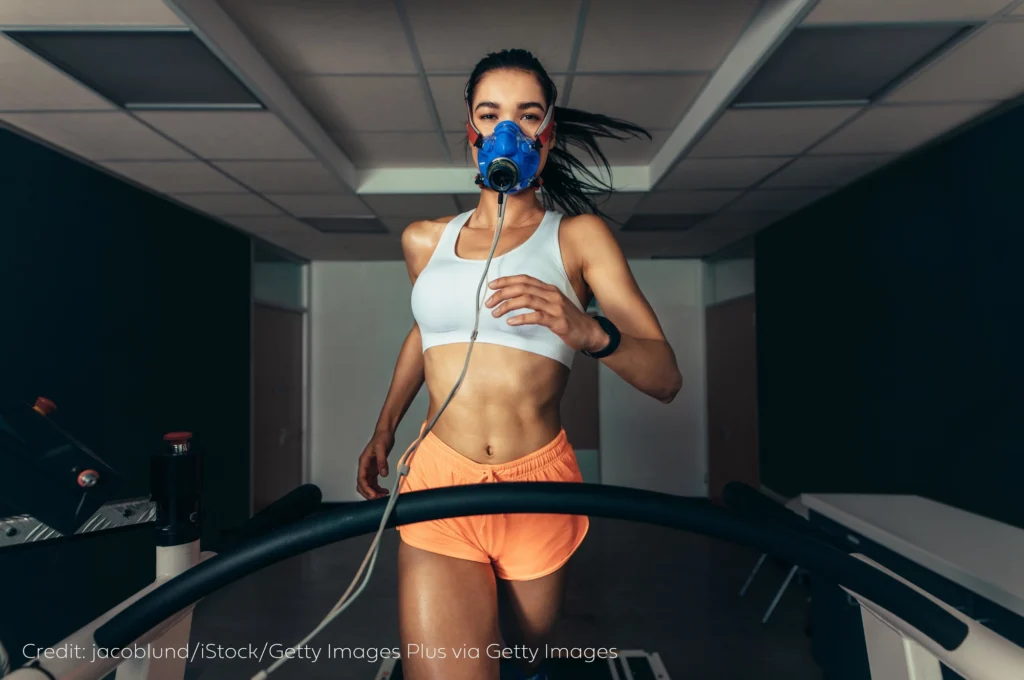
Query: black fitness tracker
[{"x": 614, "y": 337}]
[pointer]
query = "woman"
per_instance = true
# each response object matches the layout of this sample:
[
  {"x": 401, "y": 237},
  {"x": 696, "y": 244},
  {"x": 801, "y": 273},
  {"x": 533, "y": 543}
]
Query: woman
[{"x": 503, "y": 423}]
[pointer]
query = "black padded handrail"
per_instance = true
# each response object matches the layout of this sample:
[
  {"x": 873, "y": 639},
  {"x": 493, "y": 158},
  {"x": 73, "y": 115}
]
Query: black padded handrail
[
  {"x": 749, "y": 502},
  {"x": 595, "y": 500},
  {"x": 300, "y": 502}
]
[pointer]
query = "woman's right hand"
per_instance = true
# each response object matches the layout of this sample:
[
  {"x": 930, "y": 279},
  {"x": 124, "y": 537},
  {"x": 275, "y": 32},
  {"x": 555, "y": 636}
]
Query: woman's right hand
[{"x": 374, "y": 461}]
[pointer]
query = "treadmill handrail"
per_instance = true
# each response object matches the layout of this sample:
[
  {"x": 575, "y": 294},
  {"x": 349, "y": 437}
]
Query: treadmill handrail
[{"x": 614, "y": 502}]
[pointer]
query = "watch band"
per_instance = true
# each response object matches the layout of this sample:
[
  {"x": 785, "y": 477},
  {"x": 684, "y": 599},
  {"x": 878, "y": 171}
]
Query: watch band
[{"x": 614, "y": 337}]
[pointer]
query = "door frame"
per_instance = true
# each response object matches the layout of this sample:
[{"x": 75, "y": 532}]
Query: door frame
[{"x": 306, "y": 289}]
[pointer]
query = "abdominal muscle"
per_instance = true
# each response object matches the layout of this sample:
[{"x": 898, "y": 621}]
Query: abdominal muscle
[{"x": 507, "y": 405}]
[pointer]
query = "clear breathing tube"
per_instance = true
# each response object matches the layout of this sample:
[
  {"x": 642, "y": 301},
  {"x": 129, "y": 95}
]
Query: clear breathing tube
[{"x": 348, "y": 597}]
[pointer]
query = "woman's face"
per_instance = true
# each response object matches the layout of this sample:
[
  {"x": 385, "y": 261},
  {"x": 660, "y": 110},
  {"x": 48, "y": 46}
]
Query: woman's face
[{"x": 507, "y": 94}]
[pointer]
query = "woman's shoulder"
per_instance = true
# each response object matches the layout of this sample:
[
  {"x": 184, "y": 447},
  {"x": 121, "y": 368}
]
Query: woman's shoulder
[
  {"x": 581, "y": 230},
  {"x": 420, "y": 239}
]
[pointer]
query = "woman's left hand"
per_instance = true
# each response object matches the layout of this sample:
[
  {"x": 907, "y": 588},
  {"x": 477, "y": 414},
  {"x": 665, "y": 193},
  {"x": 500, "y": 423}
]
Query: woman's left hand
[{"x": 551, "y": 308}]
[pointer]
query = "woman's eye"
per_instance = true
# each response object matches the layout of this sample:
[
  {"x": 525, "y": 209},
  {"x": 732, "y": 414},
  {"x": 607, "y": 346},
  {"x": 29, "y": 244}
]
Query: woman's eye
[
  {"x": 487, "y": 116},
  {"x": 530, "y": 116}
]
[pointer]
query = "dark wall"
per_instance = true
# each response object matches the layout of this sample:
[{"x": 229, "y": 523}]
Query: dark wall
[
  {"x": 891, "y": 330},
  {"x": 132, "y": 315}
]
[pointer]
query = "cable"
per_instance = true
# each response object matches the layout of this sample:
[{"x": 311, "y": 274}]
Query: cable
[{"x": 403, "y": 470}]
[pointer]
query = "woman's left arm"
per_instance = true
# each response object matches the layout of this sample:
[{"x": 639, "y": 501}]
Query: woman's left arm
[{"x": 644, "y": 358}]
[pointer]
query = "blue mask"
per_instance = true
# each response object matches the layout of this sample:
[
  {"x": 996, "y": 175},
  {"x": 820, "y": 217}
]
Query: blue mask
[{"x": 508, "y": 159}]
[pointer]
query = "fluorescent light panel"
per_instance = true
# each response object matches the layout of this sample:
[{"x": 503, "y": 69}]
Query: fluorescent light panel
[
  {"x": 346, "y": 225},
  {"x": 844, "y": 64},
  {"x": 142, "y": 69}
]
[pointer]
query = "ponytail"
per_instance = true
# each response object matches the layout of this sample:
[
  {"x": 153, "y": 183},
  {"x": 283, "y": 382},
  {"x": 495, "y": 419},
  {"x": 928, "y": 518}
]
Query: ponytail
[{"x": 567, "y": 184}]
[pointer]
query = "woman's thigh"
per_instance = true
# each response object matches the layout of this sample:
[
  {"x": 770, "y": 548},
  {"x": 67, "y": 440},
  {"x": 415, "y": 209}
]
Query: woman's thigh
[{"x": 448, "y": 616}]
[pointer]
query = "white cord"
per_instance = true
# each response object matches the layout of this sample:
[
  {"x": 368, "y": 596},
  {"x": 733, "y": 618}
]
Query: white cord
[{"x": 403, "y": 469}]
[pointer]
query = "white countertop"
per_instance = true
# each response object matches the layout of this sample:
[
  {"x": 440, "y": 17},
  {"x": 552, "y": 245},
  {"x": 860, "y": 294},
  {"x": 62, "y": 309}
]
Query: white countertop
[{"x": 980, "y": 554}]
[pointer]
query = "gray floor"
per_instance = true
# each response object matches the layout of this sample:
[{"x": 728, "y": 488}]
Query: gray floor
[{"x": 631, "y": 586}]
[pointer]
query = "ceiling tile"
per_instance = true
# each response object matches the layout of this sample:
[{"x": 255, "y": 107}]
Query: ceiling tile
[
  {"x": 768, "y": 132},
  {"x": 883, "y": 11},
  {"x": 890, "y": 129},
  {"x": 693, "y": 202},
  {"x": 1019, "y": 10},
  {"x": 277, "y": 224},
  {"x": 313, "y": 205},
  {"x": 32, "y": 84},
  {"x": 652, "y": 101},
  {"x": 448, "y": 93},
  {"x": 91, "y": 13},
  {"x": 366, "y": 103},
  {"x": 720, "y": 173},
  {"x": 396, "y": 225},
  {"x": 313, "y": 36},
  {"x": 742, "y": 222},
  {"x": 458, "y": 148},
  {"x": 224, "y": 205},
  {"x": 393, "y": 149},
  {"x": 284, "y": 177},
  {"x": 98, "y": 136},
  {"x": 674, "y": 35},
  {"x": 545, "y": 28},
  {"x": 988, "y": 66},
  {"x": 634, "y": 151},
  {"x": 826, "y": 171},
  {"x": 778, "y": 199},
  {"x": 621, "y": 203},
  {"x": 229, "y": 135},
  {"x": 419, "y": 206},
  {"x": 176, "y": 177}
]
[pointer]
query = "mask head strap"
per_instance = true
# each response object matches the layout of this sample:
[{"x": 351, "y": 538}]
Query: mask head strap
[{"x": 544, "y": 132}]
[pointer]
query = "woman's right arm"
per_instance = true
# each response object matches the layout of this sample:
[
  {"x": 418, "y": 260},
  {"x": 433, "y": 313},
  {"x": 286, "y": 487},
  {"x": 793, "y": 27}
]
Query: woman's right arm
[{"x": 418, "y": 242}]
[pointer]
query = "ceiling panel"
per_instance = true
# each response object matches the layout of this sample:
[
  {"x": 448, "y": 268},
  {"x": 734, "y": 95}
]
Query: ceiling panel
[
  {"x": 346, "y": 225},
  {"x": 543, "y": 27},
  {"x": 229, "y": 135},
  {"x": 458, "y": 148},
  {"x": 90, "y": 13},
  {"x": 284, "y": 177},
  {"x": 313, "y": 205},
  {"x": 367, "y": 103},
  {"x": 890, "y": 129},
  {"x": 651, "y": 101},
  {"x": 393, "y": 149},
  {"x": 276, "y": 224},
  {"x": 419, "y": 206},
  {"x": 821, "y": 64},
  {"x": 635, "y": 151},
  {"x": 99, "y": 136},
  {"x": 1019, "y": 10},
  {"x": 621, "y": 203},
  {"x": 881, "y": 11},
  {"x": 224, "y": 205},
  {"x": 448, "y": 93},
  {"x": 673, "y": 34},
  {"x": 30, "y": 83},
  {"x": 988, "y": 66},
  {"x": 741, "y": 222},
  {"x": 312, "y": 36},
  {"x": 762, "y": 200},
  {"x": 769, "y": 132},
  {"x": 692, "y": 202},
  {"x": 175, "y": 177},
  {"x": 721, "y": 173},
  {"x": 826, "y": 171}
]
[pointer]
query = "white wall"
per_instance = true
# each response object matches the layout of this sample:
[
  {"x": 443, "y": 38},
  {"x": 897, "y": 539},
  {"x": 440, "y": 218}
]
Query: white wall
[
  {"x": 646, "y": 444},
  {"x": 728, "y": 279},
  {"x": 360, "y": 316}
]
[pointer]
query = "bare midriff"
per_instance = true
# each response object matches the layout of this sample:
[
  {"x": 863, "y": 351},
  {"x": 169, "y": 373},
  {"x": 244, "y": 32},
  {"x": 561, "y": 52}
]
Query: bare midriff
[{"x": 507, "y": 405}]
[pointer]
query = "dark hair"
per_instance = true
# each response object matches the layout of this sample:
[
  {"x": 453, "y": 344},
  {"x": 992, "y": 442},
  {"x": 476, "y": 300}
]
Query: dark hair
[{"x": 567, "y": 183}]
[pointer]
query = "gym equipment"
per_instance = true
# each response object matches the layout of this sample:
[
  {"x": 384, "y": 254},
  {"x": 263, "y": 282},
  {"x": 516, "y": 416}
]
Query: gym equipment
[
  {"x": 908, "y": 632},
  {"x": 40, "y": 462},
  {"x": 628, "y": 664}
]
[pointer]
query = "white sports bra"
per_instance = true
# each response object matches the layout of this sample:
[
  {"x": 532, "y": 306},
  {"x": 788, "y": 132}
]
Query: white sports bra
[{"x": 442, "y": 297}]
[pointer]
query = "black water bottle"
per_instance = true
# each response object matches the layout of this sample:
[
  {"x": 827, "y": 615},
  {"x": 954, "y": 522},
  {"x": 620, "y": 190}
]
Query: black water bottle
[{"x": 175, "y": 487}]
